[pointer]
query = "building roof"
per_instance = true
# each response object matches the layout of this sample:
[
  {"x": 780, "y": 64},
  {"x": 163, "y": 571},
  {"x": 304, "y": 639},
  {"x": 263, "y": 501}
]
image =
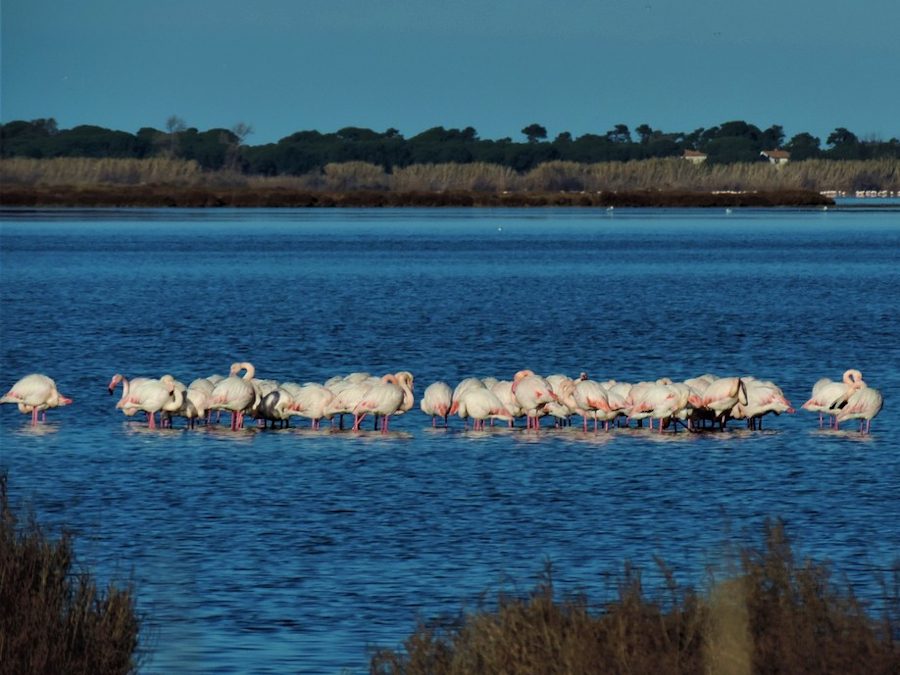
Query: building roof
[{"x": 776, "y": 154}]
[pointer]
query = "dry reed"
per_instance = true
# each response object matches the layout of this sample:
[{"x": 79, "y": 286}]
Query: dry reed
[
  {"x": 773, "y": 616},
  {"x": 651, "y": 174},
  {"x": 54, "y": 619}
]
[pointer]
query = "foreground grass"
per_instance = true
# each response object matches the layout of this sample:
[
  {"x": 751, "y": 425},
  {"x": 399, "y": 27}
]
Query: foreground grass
[
  {"x": 54, "y": 619},
  {"x": 772, "y": 616}
]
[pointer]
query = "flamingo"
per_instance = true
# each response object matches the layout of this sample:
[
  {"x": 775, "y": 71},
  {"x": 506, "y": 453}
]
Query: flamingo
[
  {"x": 532, "y": 392},
  {"x": 275, "y": 406},
  {"x": 235, "y": 394},
  {"x": 384, "y": 398},
  {"x": 436, "y": 401},
  {"x": 35, "y": 393},
  {"x": 150, "y": 396},
  {"x": 311, "y": 401},
  {"x": 863, "y": 404},
  {"x": 828, "y": 397},
  {"x": 503, "y": 390},
  {"x": 174, "y": 406},
  {"x": 481, "y": 404},
  {"x": 660, "y": 401},
  {"x": 126, "y": 385},
  {"x": 590, "y": 398},
  {"x": 347, "y": 395},
  {"x": 721, "y": 396},
  {"x": 196, "y": 401},
  {"x": 763, "y": 397},
  {"x": 463, "y": 386}
]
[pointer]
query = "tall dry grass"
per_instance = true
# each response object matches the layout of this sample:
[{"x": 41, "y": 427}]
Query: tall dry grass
[
  {"x": 53, "y": 617},
  {"x": 651, "y": 174},
  {"x": 93, "y": 171},
  {"x": 773, "y": 616}
]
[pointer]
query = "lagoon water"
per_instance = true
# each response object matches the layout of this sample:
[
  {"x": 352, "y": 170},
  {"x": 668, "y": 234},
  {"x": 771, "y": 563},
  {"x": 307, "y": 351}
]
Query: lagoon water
[{"x": 298, "y": 551}]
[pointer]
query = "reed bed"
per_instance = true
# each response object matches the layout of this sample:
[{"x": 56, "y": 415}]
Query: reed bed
[
  {"x": 772, "y": 616},
  {"x": 53, "y": 618},
  {"x": 652, "y": 174},
  {"x": 106, "y": 171}
]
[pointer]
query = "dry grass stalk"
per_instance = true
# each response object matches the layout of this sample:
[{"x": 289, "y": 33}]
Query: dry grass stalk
[
  {"x": 772, "y": 617},
  {"x": 55, "y": 620},
  {"x": 651, "y": 174}
]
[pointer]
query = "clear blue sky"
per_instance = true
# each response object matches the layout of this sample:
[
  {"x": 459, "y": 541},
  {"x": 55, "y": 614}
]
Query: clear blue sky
[{"x": 571, "y": 65}]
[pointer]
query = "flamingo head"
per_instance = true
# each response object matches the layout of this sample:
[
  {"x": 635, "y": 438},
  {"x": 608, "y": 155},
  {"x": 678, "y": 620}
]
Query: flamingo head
[
  {"x": 454, "y": 408},
  {"x": 114, "y": 382}
]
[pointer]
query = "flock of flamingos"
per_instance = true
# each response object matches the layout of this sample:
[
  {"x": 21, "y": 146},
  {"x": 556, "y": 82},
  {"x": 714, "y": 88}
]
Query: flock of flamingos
[{"x": 695, "y": 404}]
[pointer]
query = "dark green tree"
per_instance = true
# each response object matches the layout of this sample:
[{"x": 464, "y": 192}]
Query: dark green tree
[
  {"x": 534, "y": 133},
  {"x": 619, "y": 134},
  {"x": 772, "y": 137},
  {"x": 803, "y": 146},
  {"x": 645, "y": 131}
]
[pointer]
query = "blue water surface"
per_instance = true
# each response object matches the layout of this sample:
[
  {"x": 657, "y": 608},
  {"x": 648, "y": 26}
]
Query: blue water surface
[{"x": 299, "y": 551}]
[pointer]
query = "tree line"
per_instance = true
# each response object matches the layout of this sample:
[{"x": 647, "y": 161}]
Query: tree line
[{"x": 306, "y": 151}]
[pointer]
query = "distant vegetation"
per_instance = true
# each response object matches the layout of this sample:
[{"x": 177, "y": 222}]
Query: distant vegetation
[
  {"x": 556, "y": 176},
  {"x": 773, "y": 615},
  {"x": 308, "y": 151},
  {"x": 53, "y": 618},
  {"x": 181, "y": 166}
]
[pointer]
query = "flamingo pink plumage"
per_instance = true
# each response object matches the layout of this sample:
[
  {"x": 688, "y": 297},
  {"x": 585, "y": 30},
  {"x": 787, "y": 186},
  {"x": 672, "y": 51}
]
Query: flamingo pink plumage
[
  {"x": 828, "y": 397},
  {"x": 235, "y": 394},
  {"x": 863, "y": 404},
  {"x": 34, "y": 394},
  {"x": 384, "y": 398},
  {"x": 532, "y": 392},
  {"x": 436, "y": 401},
  {"x": 150, "y": 397},
  {"x": 481, "y": 404}
]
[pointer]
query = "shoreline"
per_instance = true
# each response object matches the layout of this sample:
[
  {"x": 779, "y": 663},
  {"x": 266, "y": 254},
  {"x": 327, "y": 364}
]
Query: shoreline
[{"x": 178, "y": 196}]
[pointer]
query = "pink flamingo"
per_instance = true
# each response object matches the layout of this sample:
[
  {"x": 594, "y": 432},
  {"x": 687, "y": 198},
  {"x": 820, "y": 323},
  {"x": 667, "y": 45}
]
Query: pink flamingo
[
  {"x": 590, "y": 399},
  {"x": 235, "y": 394},
  {"x": 481, "y": 404},
  {"x": 828, "y": 397},
  {"x": 151, "y": 397},
  {"x": 34, "y": 394},
  {"x": 532, "y": 392},
  {"x": 863, "y": 404},
  {"x": 385, "y": 398},
  {"x": 722, "y": 395},
  {"x": 436, "y": 401}
]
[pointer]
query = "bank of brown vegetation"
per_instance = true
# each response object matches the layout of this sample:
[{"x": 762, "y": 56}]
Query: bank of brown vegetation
[
  {"x": 158, "y": 196},
  {"x": 774, "y": 615},
  {"x": 670, "y": 174},
  {"x": 53, "y": 618}
]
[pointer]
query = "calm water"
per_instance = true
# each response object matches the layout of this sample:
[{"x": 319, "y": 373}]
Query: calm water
[{"x": 294, "y": 551}]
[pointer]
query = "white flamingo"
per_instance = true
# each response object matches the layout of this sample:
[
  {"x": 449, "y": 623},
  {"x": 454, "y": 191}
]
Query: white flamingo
[
  {"x": 149, "y": 396},
  {"x": 312, "y": 401},
  {"x": 590, "y": 399},
  {"x": 863, "y": 404},
  {"x": 436, "y": 401},
  {"x": 481, "y": 404},
  {"x": 828, "y": 397},
  {"x": 235, "y": 394},
  {"x": 533, "y": 392},
  {"x": 384, "y": 399},
  {"x": 34, "y": 394}
]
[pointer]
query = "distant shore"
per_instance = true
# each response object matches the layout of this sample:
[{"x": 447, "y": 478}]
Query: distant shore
[{"x": 161, "y": 196}]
